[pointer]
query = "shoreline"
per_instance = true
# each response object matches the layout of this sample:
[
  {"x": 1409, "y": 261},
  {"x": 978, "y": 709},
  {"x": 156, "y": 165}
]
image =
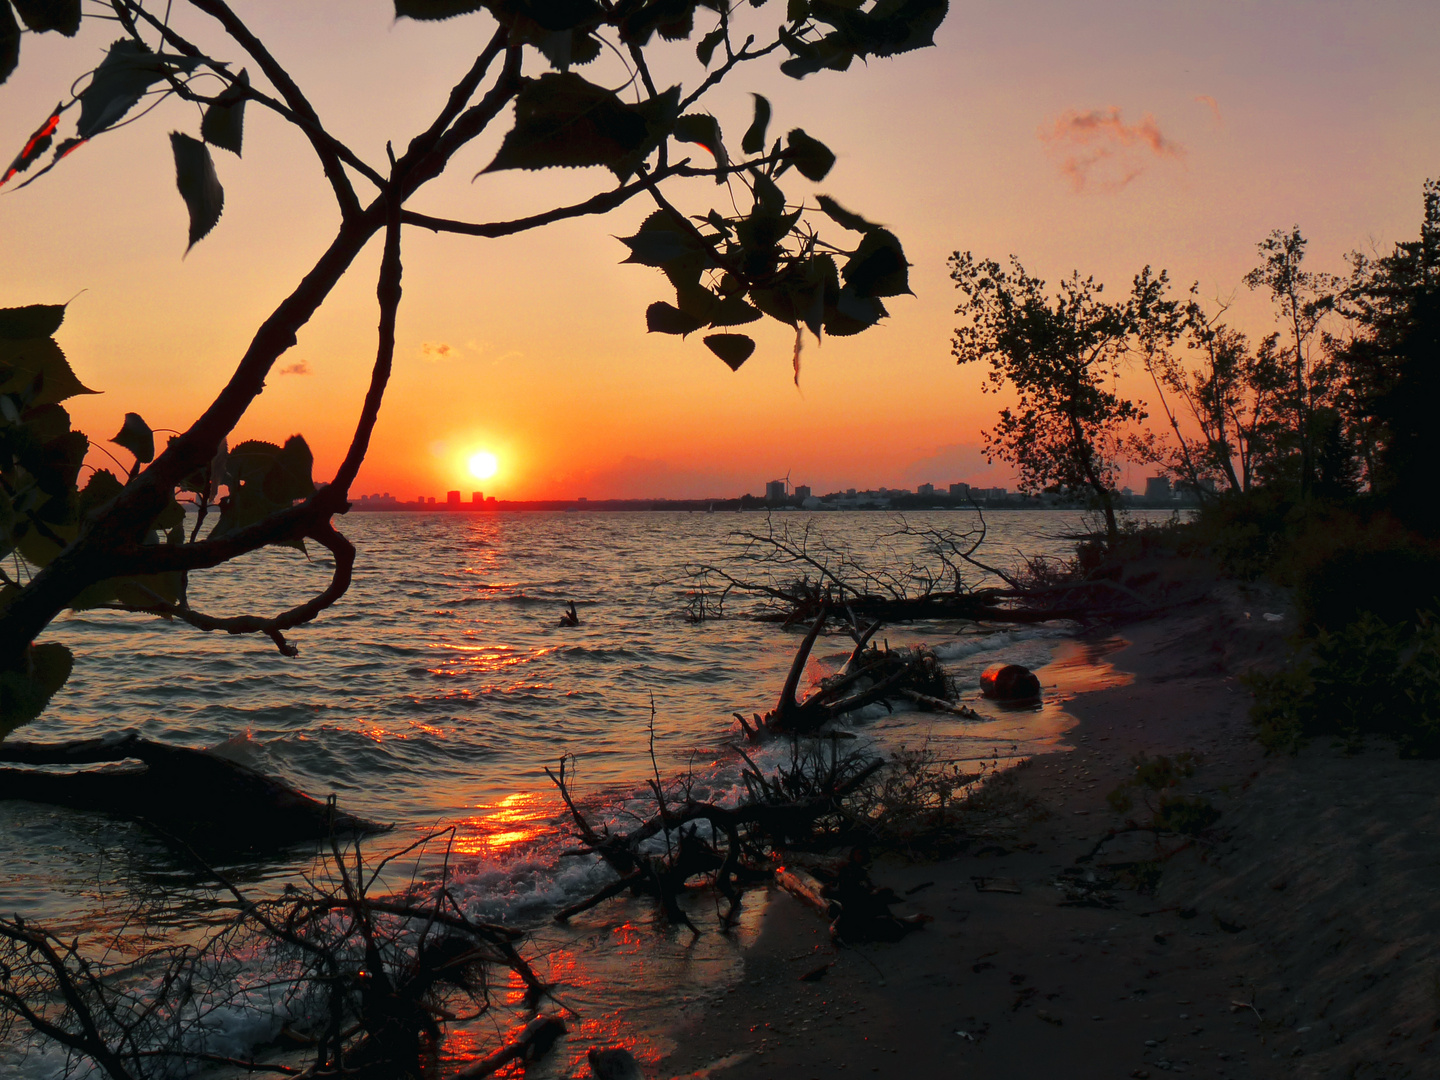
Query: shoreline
[{"x": 1292, "y": 939}]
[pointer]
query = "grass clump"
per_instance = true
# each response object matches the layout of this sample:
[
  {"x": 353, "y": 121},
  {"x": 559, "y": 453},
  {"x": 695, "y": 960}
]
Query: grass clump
[{"x": 1369, "y": 677}]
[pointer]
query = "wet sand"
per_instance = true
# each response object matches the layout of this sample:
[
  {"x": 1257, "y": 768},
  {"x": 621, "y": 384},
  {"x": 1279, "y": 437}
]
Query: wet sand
[{"x": 1299, "y": 938}]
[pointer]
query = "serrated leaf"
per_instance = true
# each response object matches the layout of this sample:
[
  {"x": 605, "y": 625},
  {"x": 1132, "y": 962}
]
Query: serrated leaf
[
  {"x": 9, "y": 60},
  {"x": 674, "y": 19},
  {"x": 843, "y": 217},
  {"x": 24, "y": 694},
  {"x": 662, "y": 241},
  {"x": 768, "y": 196},
  {"x": 198, "y": 184},
  {"x": 705, "y": 50},
  {"x": 703, "y": 130},
  {"x": 31, "y": 321},
  {"x": 290, "y": 478},
  {"x": 663, "y": 318},
  {"x": 127, "y": 72},
  {"x": 224, "y": 122},
  {"x": 37, "y": 367},
  {"x": 429, "y": 10},
  {"x": 734, "y": 311},
  {"x": 262, "y": 479},
  {"x": 811, "y": 157},
  {"x": 136, "y": 436},
  {"x": 797, "y": 10},
  {"x": 850, "y": 314},
  {"x": 878, "y": 267},
  {"x": 754, "y": 139},
  {"x": 45, "y": 15},
  {"x": 734, "y": 349},
  {"x": 563, "y": 121},
  {"x": 99, "y": 490}
]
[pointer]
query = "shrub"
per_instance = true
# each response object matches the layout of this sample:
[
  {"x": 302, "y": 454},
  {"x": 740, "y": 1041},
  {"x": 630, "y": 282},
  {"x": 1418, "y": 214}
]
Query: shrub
[{"x": 1370, "y": 677}]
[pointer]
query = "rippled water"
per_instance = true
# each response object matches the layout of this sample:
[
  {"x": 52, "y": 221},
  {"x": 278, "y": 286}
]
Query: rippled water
[{"x": 438, "y": 689}]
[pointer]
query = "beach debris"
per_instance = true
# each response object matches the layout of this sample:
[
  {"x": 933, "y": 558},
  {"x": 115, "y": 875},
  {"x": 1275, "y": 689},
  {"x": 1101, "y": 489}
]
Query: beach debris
[
  {"x": 571, "y": 617},
  {"x": 616, "y": 1063},
  {"x": 996, "y": 884},
  {"x": 1009, "y": 682},
  {"x": 210, "y": 802},
  {"x": 871, "y": 674},
  {"x": 728, "y": 846},
  {"x": 816, "y": 974},
  {"x": 534, "y": 1041}
]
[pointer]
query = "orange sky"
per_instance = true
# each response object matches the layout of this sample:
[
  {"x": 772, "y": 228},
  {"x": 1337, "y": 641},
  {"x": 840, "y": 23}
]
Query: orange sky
[{"x": 1099, "y": 136}]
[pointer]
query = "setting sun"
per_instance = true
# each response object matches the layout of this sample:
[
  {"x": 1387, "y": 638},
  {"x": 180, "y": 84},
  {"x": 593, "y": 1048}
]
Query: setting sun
[{"x": 483, "y": 465}]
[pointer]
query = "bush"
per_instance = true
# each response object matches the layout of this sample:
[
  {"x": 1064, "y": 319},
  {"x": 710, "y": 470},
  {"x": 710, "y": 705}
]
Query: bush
[{"x": 1370, "y": 677}]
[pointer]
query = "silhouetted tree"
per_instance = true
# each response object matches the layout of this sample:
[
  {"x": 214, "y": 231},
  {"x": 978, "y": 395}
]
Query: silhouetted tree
[
  {"x": 1391, "y": 366},
  {"x": 120, "y": 542},
  {"x": 1061, "y": 355}
]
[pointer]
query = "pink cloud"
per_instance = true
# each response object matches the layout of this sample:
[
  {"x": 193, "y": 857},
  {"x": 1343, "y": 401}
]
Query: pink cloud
[
  {"x": 1099, "y": 147},
  {"x": 300, "y": 367},
  {"x": 1206, "y": 99}
]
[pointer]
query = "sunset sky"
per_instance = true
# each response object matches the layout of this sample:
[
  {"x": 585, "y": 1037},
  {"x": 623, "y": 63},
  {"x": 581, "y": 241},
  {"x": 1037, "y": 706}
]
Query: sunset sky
[{"x": 1098, "y": 136}]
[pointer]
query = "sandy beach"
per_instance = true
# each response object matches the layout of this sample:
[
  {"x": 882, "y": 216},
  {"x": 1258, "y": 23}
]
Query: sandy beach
[{"x": 1297, "y": 937}]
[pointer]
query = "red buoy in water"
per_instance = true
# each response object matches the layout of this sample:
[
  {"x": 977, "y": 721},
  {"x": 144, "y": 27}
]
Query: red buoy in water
[{"x": 1009, "y": 682}]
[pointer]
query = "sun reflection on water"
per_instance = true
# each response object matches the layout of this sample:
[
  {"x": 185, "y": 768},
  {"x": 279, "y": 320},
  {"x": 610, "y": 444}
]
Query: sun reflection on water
[{"x": 499, "y": 828}]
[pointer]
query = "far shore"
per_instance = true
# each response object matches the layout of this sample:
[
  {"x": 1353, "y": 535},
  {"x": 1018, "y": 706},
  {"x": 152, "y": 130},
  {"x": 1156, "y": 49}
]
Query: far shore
[{"x": 1295, "y": 938}]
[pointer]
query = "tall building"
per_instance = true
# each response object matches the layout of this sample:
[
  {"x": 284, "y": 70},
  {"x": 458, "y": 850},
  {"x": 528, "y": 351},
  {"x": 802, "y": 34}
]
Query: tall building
[
  {"x": 925, "y": 489},
  {"x": 775, "y": 491},
  {"x": 1157, "y": 487},
  {"x": 959, "y": 491},
  {"x": 452, "y": 500},
  {"x": 802, "y": 492},
  {"x": 477, "y": 497}
]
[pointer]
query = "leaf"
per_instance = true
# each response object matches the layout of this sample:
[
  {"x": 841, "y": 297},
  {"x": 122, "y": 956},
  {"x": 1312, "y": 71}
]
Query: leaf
[
  {"x": 851, "y": 314},
  {"x": 843, "y": 217},
  {"x": 117, "y": 85},
  {"x": 99, "y": 490},
  {"x": 768, "y": 196},
  {"x": 810, "y": 156},
  {"x": 703, "y": 130},
  {"x": 663, "y": 318},
  {"x": 661, "y": 240},
  {"x": 430, "y": 10},
  {"x": 734, "y": 311},
  {"x": 136, "y": 436},
  {"x": 734, "y": 349},
  {"x": 24, "y": 694},
  {"x": 31, "y": 321},
  {"x": 263, "y": 478},
  {"x": 37, "y": 364},
  {"x": 557, "y": 15},
  {"x": 754, "y": 139},
  {"x": 9, "y": 60},
  {"x": 45, "y": 15},
  {"x": 705, "y": 50},
  {"x": 224, "y": 121},
  {"x": 198, "y": 184},
  {"x": 878, "y": 267},
  {"x": 38, "y": 142},
  {"x": 675, "y": 19},
  {"x": 563, "y": 121}
]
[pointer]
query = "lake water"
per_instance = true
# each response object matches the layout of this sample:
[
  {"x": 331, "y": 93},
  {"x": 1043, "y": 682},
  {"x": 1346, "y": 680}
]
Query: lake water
[{"x": 439, "y": 688}]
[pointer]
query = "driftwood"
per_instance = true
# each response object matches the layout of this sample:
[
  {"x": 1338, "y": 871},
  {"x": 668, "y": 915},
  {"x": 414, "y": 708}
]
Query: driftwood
[
  {"x": 735, "y": 848},
  {"x": 796, "y": 574},
  {"x": 209, "y": 802},
  {"x": 870, "y": 675}
]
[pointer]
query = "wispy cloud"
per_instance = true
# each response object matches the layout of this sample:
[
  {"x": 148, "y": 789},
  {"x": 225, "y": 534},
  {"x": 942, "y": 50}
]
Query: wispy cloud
[
  {"x": 437, "y": 350},
  {"x": 1214, "y": 106},
  {"x": 1097, "y": 148},
  {"x": 300, "y": 367}
]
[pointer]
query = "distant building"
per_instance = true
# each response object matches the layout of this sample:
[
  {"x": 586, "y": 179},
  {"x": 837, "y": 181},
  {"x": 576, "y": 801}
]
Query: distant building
[
  {"x": 925, "y": 489},
  {"x": 452, "y": 500},
  {"x": 1157, "y": 487},
  {"x": 959, "y": 491},
  {"x": 802, "y": 492},
  {"x": 429, "y": 501},
  {"x": 477, "y": 497},
  {"x": 849, "y": 493},
  {"x": 775, "y": 491}
]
